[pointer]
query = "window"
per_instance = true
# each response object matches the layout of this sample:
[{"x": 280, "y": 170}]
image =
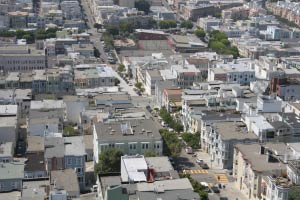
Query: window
[{"x": 69, "y": 161}]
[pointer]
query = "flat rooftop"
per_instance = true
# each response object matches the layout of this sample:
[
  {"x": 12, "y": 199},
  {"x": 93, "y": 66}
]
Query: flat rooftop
[
  {"x": 258, "y": 162},
  {"x": 12, "y": 170},
  {"x": 140, "y": 129},
  {"x": 65, "y": 180},
  {"x": 233, "y": 131}
]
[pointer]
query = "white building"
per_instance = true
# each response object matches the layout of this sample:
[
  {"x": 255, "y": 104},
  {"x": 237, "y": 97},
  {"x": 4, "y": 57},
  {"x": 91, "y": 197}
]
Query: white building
[
  {"x": 152, "y": 76},
  {"x": 133, "y": 169},
  {"x": 260, "y": 127},
  {"x": 239, "y": 71},
  {"x": 206, "y": 23}
]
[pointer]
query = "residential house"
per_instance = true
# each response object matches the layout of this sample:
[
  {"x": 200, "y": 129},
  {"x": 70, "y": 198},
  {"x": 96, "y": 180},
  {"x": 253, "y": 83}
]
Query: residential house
[{"x": 6, "y": 152}]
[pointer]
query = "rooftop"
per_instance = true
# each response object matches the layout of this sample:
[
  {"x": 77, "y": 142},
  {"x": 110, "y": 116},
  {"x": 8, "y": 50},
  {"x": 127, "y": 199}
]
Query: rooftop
[
  {"x": 259, "y": 162},
  {"x": 35, "y": 143},
  {"x": 6, "y": 149},
  {"x": 8, "y": 121},
  {"x": 140, "y": 129},
  {"x": 35, "y": 162},
  {"x": 135, "y": 167},
  {"x": 65, "y": 180},
  {"x": 159, "y": 164},
  {"x": 35, "y": 190},
  {"x": 233, "y": 131},
  {"x": 74, "y": 146},
  {"x": 47, "y": 104},
  {"x": 12, "y": 170}
]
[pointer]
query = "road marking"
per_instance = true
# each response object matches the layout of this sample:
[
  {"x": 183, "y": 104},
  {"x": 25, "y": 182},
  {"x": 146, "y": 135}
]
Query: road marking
[
  {"x": 194, "y": 171},
  {"x": 221, "y": 178}
]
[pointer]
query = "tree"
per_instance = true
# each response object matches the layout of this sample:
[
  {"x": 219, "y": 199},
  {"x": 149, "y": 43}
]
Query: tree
[
  {"x": 188, "y": 24},
  {"x": 109, "y": 161},
  {"x": 29, "y": 38},
  {"x": 113, "y": 30},
  {"x": 192, "y": 140},
  {"x": 20, "y": 33},
  {"x": 138, "y": 85},
  {"x": 126, "y": 28},
  {"x": 69, "y": 130},
  {"x": 142, "y": 5},
  {"x": 172, "y": 145},
  {"x": 149, "y": 153},
  {"x": 166, "y": 24},
  {"x": 294, "y": 193},
  {"x": 117, "y": 81},
  {"x": 121, "y": 68},
  {"x": 200, "y": 33}
]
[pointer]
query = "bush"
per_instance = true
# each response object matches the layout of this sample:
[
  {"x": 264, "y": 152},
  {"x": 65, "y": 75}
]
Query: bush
[{"x": 188, "y": 24}]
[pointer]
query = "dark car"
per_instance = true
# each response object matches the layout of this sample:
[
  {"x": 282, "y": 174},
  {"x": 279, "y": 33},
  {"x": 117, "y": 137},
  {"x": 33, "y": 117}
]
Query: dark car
[
  {"x": 149, "y": 108},
  {"x": 223, "y": 198},
  {"x": 215, "y": 189},
  {"x": 204, "y": 166}
]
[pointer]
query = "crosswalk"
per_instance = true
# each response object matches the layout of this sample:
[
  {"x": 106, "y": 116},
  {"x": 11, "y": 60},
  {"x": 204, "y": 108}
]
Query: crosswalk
[
  {"x": 221, "y": 178},
  {"x": 194, "y": 171}
]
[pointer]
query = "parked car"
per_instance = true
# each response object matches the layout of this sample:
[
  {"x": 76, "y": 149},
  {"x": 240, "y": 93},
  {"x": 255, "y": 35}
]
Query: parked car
[
  {"x": 94, "y": 188},
  {"x": 204, "y": 166},
  {"x": 199, "y": 161},
  {"x": 223, "y": 198},
  {"x": 215, "y": 189},
  {"x": 189, "y": 150}
]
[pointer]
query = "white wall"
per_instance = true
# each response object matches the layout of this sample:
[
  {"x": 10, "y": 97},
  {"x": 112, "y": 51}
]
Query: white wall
[{"x": 73, "y": 110}]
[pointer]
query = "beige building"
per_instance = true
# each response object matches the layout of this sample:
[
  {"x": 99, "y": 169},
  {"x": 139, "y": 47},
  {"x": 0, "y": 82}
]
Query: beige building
[{"x": 251, "y": 163}]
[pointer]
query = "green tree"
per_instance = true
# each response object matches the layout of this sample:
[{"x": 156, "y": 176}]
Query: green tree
[
  {"x": 126, "y": 28},
  {"x": 20, "y": 33},
  {"x": 113, "y": 30},
  {"x": 188, "y": 24},
  {"x": 109, "y": 161},
  {"x": 294, "y": 193},
  {"x": 149, "y": 153},
  {"x": 121, "y": 68},
  {"x": 166, "y": 24},
  {"x": 172, "y": 145},
  {"x": 192, "y": 140},
  {"x": 142, "y": 5},
  {"x": 69, "y": 130},
  {"x": 138, "y": 85},
  {"x": 200, "y": 33},
  {"x": 29, "y": 38}
]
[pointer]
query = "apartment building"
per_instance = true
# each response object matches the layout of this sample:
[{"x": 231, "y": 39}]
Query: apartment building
[
  {"x": 206, "y": 23},
  {"x": 239, "y": 71},
  {"x": 131, "y": 137},
  {"x": 251, "y": 163},
  {"x": 21, "y": 58},
  {"x": 221, "y": 138}
]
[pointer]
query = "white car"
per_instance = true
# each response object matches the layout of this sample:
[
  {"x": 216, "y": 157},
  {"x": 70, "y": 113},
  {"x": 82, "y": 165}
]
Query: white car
[
  {"x": 189, "y": 150},
  {"x": 94, "y": 188}
]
